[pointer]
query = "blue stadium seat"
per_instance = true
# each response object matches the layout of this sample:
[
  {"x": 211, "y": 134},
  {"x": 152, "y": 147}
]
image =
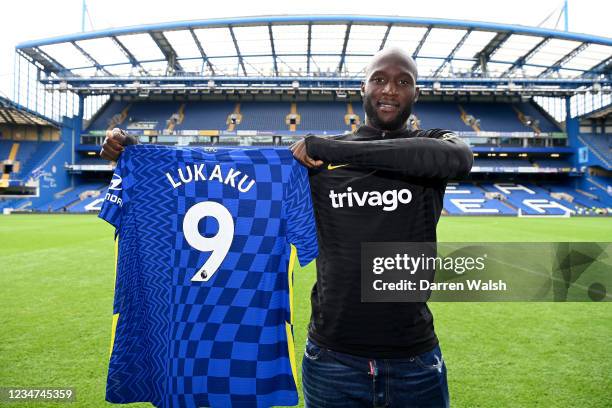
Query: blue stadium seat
[
  {"x": 29, "y": 155},
  {"x": 36, "y": 155},
  {"x": 157, "y": 112},
  {"x": 553, "y": 163},
  {"x": 441, "y": 115},
  {"x": 545, "y": 124},
  {"x": 264, "y": 115},
  {"x": 467, "y": 199},
  {"x": 498, "y": 117},
  {"x": 317, "y": 117},
  {"x": 15, "y": 203},
  {"x": 502, "y": 162},
  {"x": 601, "y": 145},
  {"x": 529, "y": 198},
  {"x": 91, "y": 160},
  {"x": 71, "y": 197},
  {"x": 578, "y": 198},
  {"x": 102, "y": 119},
  {"x": 89, "y": 204},
  {"x": 5, "y": 148},
  {"x": 206, "y": 115},
  {"x": 358, "y": 110},
  {"x": 321, "y": 117}
]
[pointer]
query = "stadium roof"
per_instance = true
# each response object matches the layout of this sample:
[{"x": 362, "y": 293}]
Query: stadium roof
[
  {"x": 326, "y": 49},
  {"x": 13, "y": 114},
  {"x": 601, "y": 113}
]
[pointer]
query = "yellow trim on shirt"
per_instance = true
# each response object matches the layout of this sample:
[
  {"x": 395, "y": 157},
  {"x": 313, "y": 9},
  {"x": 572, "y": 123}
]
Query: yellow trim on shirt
[
  {"x": 116, "y": 315},
  {"x": 113, "y": 331},
  {"x": 291, "y": 347},
  {"x": 292, "y": 258},
  {"x": 289, "y": 325}
]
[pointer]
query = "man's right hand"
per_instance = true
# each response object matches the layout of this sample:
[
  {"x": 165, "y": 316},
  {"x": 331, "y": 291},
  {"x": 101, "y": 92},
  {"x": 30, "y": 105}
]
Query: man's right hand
[
  {"x": 301, "y": 154},
  {"x": 114, "y": 144}
]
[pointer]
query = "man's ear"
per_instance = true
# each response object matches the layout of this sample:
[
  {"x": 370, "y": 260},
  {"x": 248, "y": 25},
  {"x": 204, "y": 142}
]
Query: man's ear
[
  {"x": 362, "y": 88},
  {"x": 417, "y": 92}
]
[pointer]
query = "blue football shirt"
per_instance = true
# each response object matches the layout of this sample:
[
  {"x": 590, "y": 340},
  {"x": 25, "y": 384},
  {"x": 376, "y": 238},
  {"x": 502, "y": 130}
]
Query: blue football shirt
[{"x": 203, "y": 291}]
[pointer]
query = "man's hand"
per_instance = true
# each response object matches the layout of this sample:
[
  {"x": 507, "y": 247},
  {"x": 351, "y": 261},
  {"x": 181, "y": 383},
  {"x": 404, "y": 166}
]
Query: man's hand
[
  {"x": 299, "y": 152},
  {"x": 114, "y": 144}
]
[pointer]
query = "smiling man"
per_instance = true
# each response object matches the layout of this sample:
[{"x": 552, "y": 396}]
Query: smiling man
[{"x": 382, "y": 183}]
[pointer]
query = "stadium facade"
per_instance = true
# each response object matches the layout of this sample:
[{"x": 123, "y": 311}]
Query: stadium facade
[{"x": 534, "y": 104}]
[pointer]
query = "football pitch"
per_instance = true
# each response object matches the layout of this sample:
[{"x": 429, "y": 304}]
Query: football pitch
[{"x": 57, "y": 292}]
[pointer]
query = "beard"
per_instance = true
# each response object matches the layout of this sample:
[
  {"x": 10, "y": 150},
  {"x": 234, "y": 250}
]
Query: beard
[{"x": 396, "y": 123}]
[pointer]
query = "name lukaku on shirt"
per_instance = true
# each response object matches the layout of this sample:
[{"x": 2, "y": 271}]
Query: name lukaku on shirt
[
  {"x": 188, "y": 174},
  {"x": 196, "y": 172}
]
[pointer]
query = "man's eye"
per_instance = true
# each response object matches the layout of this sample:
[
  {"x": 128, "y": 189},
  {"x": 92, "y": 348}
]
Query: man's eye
[
  {"x": 404, "y": 82},
  {"x": 378, "y": 79}
]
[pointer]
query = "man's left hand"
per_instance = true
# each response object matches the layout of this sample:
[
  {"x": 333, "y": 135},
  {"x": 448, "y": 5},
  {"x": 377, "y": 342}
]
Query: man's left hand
[{"x": 299, "y": 152}]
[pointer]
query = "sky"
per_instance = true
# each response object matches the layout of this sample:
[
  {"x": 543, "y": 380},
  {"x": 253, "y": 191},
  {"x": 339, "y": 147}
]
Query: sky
[{"x": 35, "y": 19}]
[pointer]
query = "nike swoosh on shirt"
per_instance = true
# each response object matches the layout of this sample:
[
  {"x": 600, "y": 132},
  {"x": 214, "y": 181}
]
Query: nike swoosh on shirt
[{"x": 332, "y": 167}]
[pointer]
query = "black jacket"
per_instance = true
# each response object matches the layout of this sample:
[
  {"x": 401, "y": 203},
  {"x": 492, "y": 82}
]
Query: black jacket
[{"x": 368, "y": 162}]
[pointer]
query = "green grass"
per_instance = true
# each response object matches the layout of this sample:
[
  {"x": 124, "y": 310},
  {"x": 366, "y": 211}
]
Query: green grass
[{"x": 57, "y": 288}]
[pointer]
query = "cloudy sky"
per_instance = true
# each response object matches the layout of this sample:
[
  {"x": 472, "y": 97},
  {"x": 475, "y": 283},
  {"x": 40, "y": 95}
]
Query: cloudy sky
[{"x": 24, "y": 20}]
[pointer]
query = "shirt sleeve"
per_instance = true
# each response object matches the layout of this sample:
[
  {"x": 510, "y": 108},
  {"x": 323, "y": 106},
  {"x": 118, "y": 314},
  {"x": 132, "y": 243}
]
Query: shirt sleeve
[
  {"x": 432, "y": 154},
  {"x": 298, "y": 209},
  {"x": 117, "y": 197}
]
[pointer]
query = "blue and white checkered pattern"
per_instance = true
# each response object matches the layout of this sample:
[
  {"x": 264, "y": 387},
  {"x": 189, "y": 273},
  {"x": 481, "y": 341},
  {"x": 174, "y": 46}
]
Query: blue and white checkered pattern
[{"x": 221, "y": 342}]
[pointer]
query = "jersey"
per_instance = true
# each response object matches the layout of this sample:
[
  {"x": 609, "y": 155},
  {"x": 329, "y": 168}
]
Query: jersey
[
  {"x": 393, "y": 183},
  {"x": 203, "y": 292}
]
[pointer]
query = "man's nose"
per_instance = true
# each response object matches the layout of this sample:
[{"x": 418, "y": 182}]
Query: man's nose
[{"x": 390, "y": 88}]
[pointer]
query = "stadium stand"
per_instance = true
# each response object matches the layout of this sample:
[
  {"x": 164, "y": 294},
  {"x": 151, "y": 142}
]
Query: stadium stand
[
  {"x": 38, "y": 152},
  {"x": 503, "y": 163},
  {"x": 357, "y": 107},
  {"x": 25, "y": 151},
  {"x": 318, "y": 117},
  {"x": 15, "y": 203},
  {"x": 109, "y": 116},
  {"x": 600, "y": 145},
  {"x": 149, "y": 115},
  {"x": 441, "y": 115},
  {"x": 529, "y": 198},
  {"x": 475, "y": 198},
  {"x": 264, "y": 115},
  {"x": 91, "y": 160},
  {"x": 552, "y": 163},
  {"x": 576, "y": 197},
  {"x": 545, "y": 123},
  {"x": 29, "y": 154},
  {"x": 5, "y": 149},
  {"x": 71, "y": 197},
  {"x": 600, "y": 188},
  {"x": 499, "y": 117},
  {"x": 600, "y": 182},
  {"x": 88, "y": 204},
  {"x": 469, "y": 199},
  {"x": 206, "y": 115}
]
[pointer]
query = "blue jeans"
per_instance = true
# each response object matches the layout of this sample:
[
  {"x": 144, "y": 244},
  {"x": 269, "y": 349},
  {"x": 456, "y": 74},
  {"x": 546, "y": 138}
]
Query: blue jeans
[{"x": 332, "y": 380}]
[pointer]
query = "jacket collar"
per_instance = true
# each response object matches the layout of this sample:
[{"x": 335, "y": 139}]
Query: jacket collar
[{"x": 366, "y": 132}]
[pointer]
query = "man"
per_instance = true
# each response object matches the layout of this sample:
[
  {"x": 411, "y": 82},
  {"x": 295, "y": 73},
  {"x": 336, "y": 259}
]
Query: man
[
  {"x": 371, "y": 354},
  {"x": 375, "y": 354}
]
